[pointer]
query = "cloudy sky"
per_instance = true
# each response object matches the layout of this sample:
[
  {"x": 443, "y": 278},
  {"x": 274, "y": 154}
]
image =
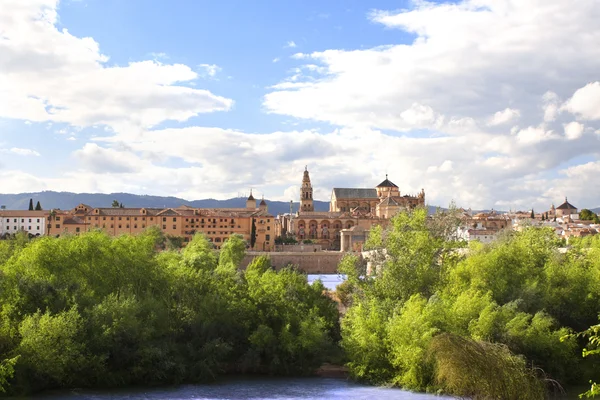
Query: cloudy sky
[{"x": 491, "y": 103}]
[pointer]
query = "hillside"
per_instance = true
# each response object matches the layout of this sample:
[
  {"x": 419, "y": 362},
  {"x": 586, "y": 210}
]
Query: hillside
[{"x": 68, "y": 200}]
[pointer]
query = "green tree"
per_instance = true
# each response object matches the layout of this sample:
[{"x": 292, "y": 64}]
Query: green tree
[
  {"x": 115, "y": 204},
  {"x": 532, "y": 214},
  {"x": 232, "y": 252},
  {"x": 38, "y": 206},
  {"x": 588, "y": 215},
  {"x": 30, "y": 204},
  {"x": 51, "y": 347},
  {"x": 375, "y": 239},
  {"x": 94, "y": 310},
  {"x": 253, "y": 234},
  {"x": 174, "y": 242}
]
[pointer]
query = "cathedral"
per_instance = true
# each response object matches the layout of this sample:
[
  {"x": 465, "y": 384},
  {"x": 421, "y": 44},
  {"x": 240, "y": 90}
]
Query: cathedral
[{"x": 352, "y": 213}]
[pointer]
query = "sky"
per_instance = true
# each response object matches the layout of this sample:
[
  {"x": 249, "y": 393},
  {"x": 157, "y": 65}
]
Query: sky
[{"x": 487, "y": 103}]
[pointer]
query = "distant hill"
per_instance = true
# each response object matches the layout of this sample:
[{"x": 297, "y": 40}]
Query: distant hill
[
  {"x": 68, "y": 200},
  {"x": 596, "y": 210}
]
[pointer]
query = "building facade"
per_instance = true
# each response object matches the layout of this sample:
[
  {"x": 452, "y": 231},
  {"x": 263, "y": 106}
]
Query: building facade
[
  {"x": 351, "y": 210},
  {"x": 31, "y": 222},
  {"x": 216, "y": 223}
]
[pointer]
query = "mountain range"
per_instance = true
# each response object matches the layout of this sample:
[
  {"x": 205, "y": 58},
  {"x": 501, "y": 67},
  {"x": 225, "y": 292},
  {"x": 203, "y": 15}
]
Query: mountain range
[{"x": 68, "y": 200}]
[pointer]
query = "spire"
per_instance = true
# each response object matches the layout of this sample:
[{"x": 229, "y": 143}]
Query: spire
[
  {"x": 251, "y": 202},
  {"x": 306, "y": 192}
]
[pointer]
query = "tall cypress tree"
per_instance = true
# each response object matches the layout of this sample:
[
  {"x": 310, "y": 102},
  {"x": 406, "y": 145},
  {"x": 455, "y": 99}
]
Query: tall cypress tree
[
  {"x": 253, "y": 234},
  {"x": 38, "y": 206},
  {"x": 30, "y": 204}
]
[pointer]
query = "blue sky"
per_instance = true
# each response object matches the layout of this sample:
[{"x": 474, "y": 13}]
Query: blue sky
[
  {"x": 250, "y": 35},
  {"x": 490, "y": 103}
]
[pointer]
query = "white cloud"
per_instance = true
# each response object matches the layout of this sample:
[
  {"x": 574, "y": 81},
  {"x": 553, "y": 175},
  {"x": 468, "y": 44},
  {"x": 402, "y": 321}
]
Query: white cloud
[
  {"x": 470, "y": 59},
  {"x": 290, "y": 44},
  {"x": 159, "y": 56},
  {"x": 504, "y": 116},
  {"x": 210, "y": 69},
  {"x": 585, "y": 102},
  {"x": 535, "y": 135},
  {"x": 47, "y": 74},
  {"x": 99, "y": 160},
  {"x": 550, "y": 106},
  {"x": 573, "y": 130},
  {"x": 21, "y": 152},
  {"x": 418, "y": 115}
]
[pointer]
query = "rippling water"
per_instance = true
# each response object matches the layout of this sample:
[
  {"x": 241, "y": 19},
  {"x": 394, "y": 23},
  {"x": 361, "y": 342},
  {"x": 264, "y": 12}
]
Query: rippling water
[{"x": 255, "y": 389}]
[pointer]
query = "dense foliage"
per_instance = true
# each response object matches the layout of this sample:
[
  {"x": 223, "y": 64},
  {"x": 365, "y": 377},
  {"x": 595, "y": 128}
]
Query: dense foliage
[
  {"x": 440, "y": 316},
  {"x": 92, "y": 310},
  {"x": 588, "y": 215}
]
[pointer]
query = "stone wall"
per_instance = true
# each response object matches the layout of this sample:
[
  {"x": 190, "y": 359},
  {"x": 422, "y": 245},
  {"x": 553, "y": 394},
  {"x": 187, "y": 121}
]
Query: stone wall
[
  {"x": 323, "y": 262},
  {"x": 304, "y": 248}
]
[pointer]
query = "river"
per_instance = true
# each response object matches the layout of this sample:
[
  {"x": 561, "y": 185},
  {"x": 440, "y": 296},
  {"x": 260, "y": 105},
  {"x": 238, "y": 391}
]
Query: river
[
  {"x": 330, "y": 281},
  {"x": 249, "y": 388}
]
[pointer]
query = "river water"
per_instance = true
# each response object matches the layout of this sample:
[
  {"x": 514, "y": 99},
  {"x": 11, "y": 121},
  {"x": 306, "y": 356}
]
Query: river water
[
  {"x": 330, "y": 281},
  {"x": 250, "y": 389}
]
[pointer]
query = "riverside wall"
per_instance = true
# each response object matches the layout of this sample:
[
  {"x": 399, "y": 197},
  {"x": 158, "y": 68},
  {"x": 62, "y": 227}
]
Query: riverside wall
[{"x": 320, "y": 262}]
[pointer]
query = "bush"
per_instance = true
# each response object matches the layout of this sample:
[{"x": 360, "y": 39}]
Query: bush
[{"x": 482, "y": 370}]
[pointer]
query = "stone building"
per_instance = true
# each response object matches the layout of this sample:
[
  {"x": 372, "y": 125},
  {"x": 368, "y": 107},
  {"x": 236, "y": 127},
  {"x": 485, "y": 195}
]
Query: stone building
[
  {"x": 31, "y": 222},
  {"x": 351, "y": 210},
  {"x": 565, "y": 209},
  {"x": 216, "y": 223},
  {"x": 384, "y": 201}
]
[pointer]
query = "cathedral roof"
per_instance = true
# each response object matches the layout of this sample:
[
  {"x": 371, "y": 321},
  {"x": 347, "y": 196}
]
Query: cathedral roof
[
  {"x": 566, "y": 206},
  {"x": 263, "y": 203},
  {"x": 387, "y": 183},
  {"x": 355, "y": 193},
  {"x": 251, "y": 197}
]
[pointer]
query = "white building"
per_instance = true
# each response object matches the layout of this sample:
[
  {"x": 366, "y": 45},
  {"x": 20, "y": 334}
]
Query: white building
[
  {"x": 482, "y": 235},
  {"x": 13, "y": 221}
]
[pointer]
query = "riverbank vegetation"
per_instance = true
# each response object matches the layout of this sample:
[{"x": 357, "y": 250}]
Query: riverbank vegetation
[
  {"x": 480, "y": 321},
  {"x": 96, "y": 311},
  {"x": 483, "y": 321}
]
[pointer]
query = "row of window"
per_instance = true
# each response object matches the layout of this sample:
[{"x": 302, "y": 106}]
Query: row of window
[
  {"x": 22, "y": 220},
  {"x": 120, "y": 218},
  {"x": 37, "y": 228}
]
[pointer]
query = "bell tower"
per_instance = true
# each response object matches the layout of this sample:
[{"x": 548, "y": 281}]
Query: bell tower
[{"x": 306, "y": 193}]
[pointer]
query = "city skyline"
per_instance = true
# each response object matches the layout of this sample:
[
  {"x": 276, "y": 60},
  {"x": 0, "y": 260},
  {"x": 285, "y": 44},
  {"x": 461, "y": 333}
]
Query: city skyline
[{"x": 490, "y": 103}]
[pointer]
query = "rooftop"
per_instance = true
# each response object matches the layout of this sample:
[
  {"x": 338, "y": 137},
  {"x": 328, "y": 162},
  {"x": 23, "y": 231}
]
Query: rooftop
[
  {"x": 566, "y": 206},
  {"x": 387, "y": 183},
  {"x": 355, "y": 193}
]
